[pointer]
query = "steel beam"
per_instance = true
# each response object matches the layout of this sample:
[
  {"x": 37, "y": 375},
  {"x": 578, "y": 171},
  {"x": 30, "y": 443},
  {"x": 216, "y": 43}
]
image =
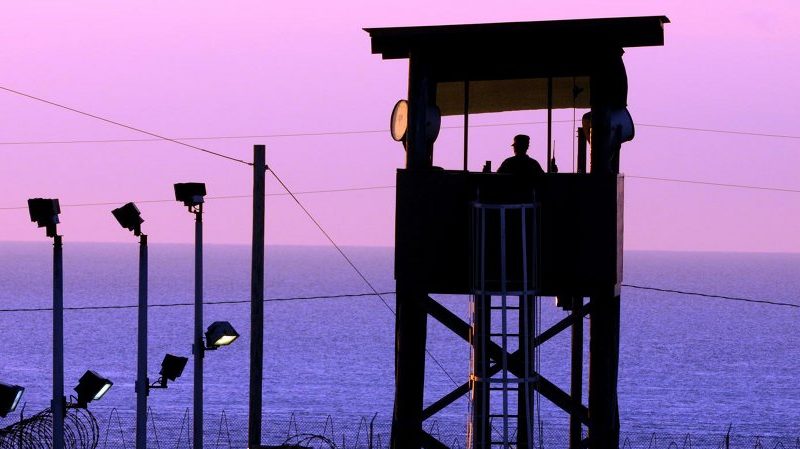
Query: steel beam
[
  {"x": 576, "y": 383},
  {"x": 410, "y": 336},
  {"x": 430, "y": 442},
  {"x": 603, "y": 371},
  {"x": 562, "y": 325}
]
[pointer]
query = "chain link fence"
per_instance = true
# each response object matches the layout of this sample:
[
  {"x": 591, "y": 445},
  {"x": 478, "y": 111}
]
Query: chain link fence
[{"x": 116, "y": 430}]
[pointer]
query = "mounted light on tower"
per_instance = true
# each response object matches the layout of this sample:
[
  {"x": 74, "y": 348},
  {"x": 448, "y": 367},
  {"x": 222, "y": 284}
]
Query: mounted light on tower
[{"x": 398, "y": 125}]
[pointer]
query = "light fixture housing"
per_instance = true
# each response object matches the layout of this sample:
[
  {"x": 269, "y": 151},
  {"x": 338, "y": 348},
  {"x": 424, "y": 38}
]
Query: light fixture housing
[
  {"x": 10, "y": 396},
  {"x": 129, "y": 217},
  {"x": 91, "y": 387},
  {"x": 220, "y": 333},
  {"x": 398, "y": 125},
  {"x": 172, "y": 367},
  {"x": 44, "y": 211},
  {"x": 191, "y": 193}
]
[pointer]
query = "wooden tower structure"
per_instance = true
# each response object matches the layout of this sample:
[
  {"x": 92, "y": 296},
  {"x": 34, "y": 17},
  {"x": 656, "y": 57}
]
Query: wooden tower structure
[{"x": 560, "y": 234}]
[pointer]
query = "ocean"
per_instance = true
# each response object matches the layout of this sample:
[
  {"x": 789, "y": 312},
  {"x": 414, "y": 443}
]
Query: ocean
[{"x": 688, "y": 364}]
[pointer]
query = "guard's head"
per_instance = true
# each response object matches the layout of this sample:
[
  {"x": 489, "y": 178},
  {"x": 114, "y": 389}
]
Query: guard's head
[{"x": 521, "y": 143}]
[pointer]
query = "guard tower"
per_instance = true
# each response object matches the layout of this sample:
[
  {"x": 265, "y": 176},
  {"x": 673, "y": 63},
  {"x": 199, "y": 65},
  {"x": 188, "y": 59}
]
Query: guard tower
[{"x": 504, "y": 240}]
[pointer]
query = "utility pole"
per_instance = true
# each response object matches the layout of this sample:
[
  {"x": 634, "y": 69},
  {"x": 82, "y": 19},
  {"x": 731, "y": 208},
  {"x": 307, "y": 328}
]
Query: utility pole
[
  {"x": 257, "y": 300},
  {"x": 45, "y": 211},
  {"x": 191, "y": 195},
  {"x": 58, "y": 405},
  {"x": 142, "y": 382},
  {"x": 199, "y": 349}
]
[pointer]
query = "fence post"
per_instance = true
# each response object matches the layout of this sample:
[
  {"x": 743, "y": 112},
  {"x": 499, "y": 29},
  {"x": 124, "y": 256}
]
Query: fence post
[{"x": 728, "y": 437}]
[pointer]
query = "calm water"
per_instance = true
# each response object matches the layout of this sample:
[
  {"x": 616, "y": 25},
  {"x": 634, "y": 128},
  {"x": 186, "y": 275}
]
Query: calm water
[{"x": 687, "y": 363}]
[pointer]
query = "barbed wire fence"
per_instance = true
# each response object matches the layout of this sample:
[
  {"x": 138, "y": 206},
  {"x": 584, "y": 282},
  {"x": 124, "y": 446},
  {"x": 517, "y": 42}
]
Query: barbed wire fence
[
  {"x": 116, "y": 430},
  {"x": 81, "y": 431}
]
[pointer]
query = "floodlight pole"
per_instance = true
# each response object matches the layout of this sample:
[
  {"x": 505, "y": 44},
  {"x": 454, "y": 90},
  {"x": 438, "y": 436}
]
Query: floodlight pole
[
  {"x": 58, "y": 405},
  {"x": 257, "y": 300},
  {"x": 142, "y": 382},
  {"x": 199, "y": 348}
]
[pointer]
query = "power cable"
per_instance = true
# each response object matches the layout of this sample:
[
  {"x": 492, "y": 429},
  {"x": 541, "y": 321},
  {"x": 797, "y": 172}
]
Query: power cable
[
  {"x": 707, "y": 295},
  {"x": 225, "y": 197},
  {"x": 258, "y": 136},
  {"x": 352, "y": 265},
  {"x": 133, "y": 128},
  {"x": 359, "y": 295},
  {"x": 717, "y": 184},
  {"x": 719, "y": 131},
  {"x": 182, "y": 304},
  {"x": 354, "y": 132},
  {"x": 354, "y": 189}
]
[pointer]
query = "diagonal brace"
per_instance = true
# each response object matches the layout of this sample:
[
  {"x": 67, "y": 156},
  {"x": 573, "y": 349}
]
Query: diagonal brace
[
  {"x": 562, "y": 325},
  {"x": 430, "y": 442},
  {"x": 549, "y": 390},
  {"x": 460, "y": 327}
]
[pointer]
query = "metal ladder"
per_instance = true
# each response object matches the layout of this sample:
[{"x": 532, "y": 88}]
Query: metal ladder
[{"x": 493, "y": 301}]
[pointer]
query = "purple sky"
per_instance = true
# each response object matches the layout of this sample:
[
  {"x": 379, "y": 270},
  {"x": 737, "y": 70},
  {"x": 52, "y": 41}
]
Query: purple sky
[{"x": 203, "y": 68}]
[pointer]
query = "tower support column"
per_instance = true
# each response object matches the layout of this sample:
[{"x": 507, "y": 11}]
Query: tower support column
[
  {"x": 410, "y": 337},
  {"x": 603, "y": 371}
]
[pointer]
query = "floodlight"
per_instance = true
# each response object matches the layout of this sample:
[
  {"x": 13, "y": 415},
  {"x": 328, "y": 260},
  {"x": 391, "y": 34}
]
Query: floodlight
[
  {"x": 191, "y": 193},
  {"x": 91, "y": 387},
  {"x": 219, "y": 334},
  {"x": 9, "y": 398},
  {"x": 172, "y": 367},
  {"x": 44, "y": 211},
  {"x": 129, "y": 217}
]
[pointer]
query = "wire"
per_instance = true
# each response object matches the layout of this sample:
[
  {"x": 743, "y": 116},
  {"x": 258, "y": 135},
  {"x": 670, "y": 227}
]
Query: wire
[
  {"x": 182, "y": 304},
  {"x": 258, "y": 136},
  {"x": 342, "y": 133},
  {"x": 81, "y": 430},
  {"x": 707, "y": 295},
  {"x": 717, "y": 184},
  {"x": 719, "y": 131},
  {"x": 380, "y": 294},
  {"x": 52, "y": 103},
  {"x": 355, "y": 189},
  {"x": 352, "y": 265},
  {"x": 226, "y": 197}
]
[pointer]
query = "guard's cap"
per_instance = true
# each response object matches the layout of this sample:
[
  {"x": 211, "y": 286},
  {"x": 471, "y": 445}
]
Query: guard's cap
[{"x": 521, "y": 139}]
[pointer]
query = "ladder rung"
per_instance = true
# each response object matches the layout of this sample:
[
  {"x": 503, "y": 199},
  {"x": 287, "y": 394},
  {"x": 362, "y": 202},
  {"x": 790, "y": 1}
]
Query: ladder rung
[
  {"x": 506, "y": 307},
  {"x": 501, "y": 388},
  {"x": 502, "y": 416},
  {"x": 502, "y": 334}
]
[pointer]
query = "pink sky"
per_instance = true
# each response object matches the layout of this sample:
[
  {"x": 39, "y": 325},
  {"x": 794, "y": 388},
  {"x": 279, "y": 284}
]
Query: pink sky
[{"x": 209, "y": 68}]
